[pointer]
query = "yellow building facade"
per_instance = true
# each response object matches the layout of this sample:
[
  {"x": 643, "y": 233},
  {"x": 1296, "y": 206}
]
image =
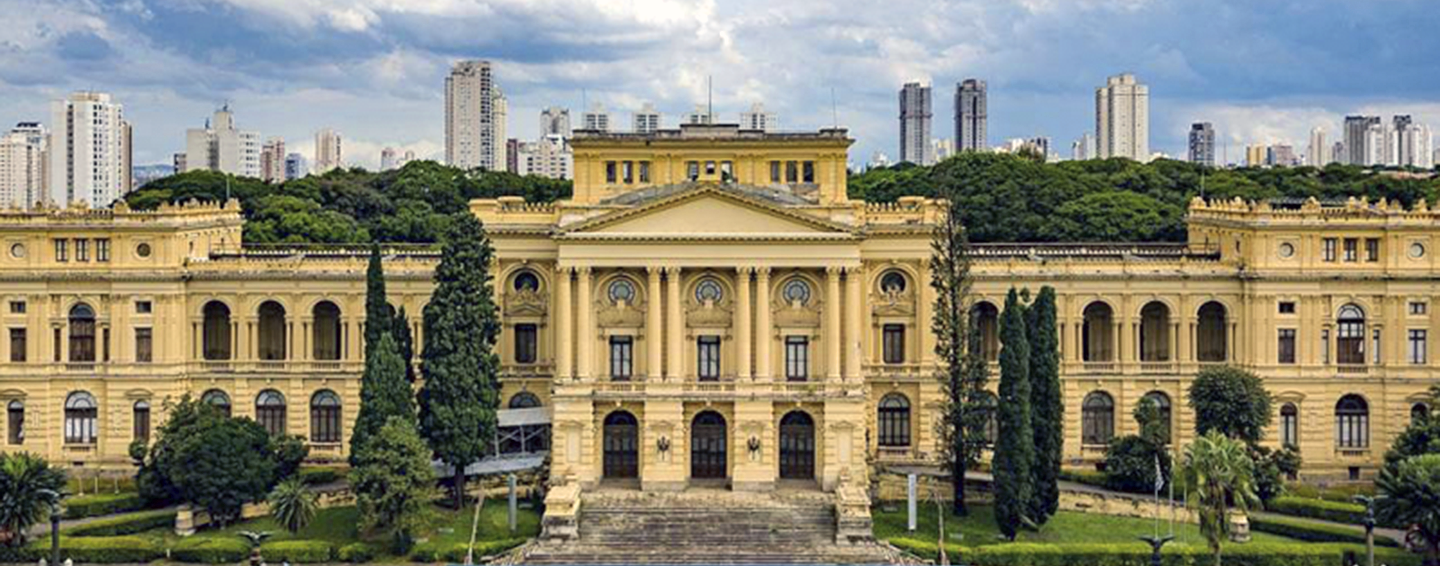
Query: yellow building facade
[{"x": 711, "y": 308}]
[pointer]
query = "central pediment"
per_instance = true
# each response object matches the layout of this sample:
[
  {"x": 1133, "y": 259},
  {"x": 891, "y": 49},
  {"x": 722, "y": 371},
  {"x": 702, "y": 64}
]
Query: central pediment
[{"x": 708, "y": 211}]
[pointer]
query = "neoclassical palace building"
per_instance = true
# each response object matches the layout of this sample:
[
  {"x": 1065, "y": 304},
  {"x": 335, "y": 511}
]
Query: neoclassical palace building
[{"x": 710, "y": 306}]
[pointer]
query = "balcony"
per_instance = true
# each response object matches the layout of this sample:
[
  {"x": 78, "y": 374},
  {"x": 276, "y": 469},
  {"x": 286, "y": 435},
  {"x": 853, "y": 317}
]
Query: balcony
[
  {"x": 1352, "y": 369},
  {"x": 1098, "y": 367},
  {"x": 1158, "y": 368}
]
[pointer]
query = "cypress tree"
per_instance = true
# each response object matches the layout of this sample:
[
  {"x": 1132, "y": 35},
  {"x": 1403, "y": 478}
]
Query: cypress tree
[
  {"x": 1047, "y": 404},
  {"x": 405, "y": 342},
  {"x": 461, "y": 391},
  {"x": 950, "y": 278},
  {"x": 1014, "y": 449},
  {"x": 377, "y": 307},
  {"x": 384, "y": 393}
]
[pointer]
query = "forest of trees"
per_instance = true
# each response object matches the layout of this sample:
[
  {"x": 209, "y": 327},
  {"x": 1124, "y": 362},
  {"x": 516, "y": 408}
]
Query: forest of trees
[{"x": 1004, "y": 198}]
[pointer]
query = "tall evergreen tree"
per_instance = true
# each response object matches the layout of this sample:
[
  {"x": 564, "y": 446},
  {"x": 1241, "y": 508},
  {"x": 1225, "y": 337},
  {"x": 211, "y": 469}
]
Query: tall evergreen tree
[
  {"x": 384, "y": 393},
  {"x": 405, "y": 342},
  {"x": 1014, "y": 449},
  {"x": 950, "y": 278},
  {"x": 1047, "y": 404},
  {"x": 377, "y": 307},
  {"x": 461, "y": 391}
]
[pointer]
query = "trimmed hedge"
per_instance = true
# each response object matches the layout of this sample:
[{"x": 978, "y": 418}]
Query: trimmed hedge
[
  {"x": 102, "y": 504},
  {"x": 98, "y": 550},
  {"x": 124, "y": 524},
  {"x": 1314, "y": 532},
  {"x": 1254, "y": 554},
  {"x": 210, "y": 550},
  {"x": 297, "y": 551},
  {"x": 1088, "y": 477},
  {"x": 320, "y": 476},
  {"x": 455, "y": 552},
  {"x": 357, "y": 553},
  {"x": 1333, "y": 511}
]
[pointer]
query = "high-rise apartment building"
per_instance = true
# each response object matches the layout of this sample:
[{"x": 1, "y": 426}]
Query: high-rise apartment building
[
  {"x": 915, "y": 118},
  {"x": 944, "y": 148},
  {"x": 1281, "y": 155},
  {"x": 646, "y": 120},
  {"x": 550, "y": 156},
  {"x": 1415, "y": 146},
  {"x": 597, "y": 118},
  {"x": 220, "y": 146},
  {"x": 1318, "y": 152},
  {"x": 23, "y": 165},
  {"x": 757, "y": 118},
  {"x": 387, "y": 159},
  {"x": 700, "y": 115},
  {"x": 272, "y": 160},
  {"x": 296, "y": 166},
  {"x": 90, "y": 151},
  {"x": 474, "y": 137},
  {"x": 1380, "y": 144},
  {"x": 327, "y": 151},
  {"x": 555, "y": 121},
  {"x": 513, "y": 149},
  {"x": 500, "y": 128},
  {"x": 970, "y": 120},
  {"x": 1202, "y": 144},
  {"x": 1122, "y": 118},
  {"x": 1255, "y": 155},
  {"x": 1083, "y": 148},
  {"x": 1357, "y": 150}
]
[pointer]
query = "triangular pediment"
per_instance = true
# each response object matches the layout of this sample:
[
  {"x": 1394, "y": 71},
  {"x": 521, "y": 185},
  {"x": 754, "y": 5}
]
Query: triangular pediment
[{"x": 708, "y": 211}]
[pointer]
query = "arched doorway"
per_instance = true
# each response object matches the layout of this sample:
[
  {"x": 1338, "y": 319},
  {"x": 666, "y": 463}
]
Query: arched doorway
[
  {"x": 707, "y": 446},
  {"x": 797, "y": 446},
  {"x": 622, "y": 454}
]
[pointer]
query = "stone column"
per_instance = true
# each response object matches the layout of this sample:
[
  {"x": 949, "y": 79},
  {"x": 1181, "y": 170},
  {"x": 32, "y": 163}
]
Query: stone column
[
  {"x": 564, "y": 336},
  {"x": 585, "y": 339},
  {"x": 675, "y": 334},
  {"x": 763, "y": 331},
  {"x": 654, "y": 344},
  {"x": 742, "y": 323},
  {"x": 854, "y": 305},
  {"x": 832, "y": 323}
]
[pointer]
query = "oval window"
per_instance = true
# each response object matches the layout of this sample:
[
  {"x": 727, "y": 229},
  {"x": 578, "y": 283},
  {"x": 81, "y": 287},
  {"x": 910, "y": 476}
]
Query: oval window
[
  {"x": 1417, "y": 250},
  {"x": 1287, "y": 250},
  {"x": 142, "y": 250}
]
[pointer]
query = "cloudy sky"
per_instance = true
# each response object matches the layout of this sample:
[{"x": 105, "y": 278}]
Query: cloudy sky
[{"x": 1261, "y": 70}]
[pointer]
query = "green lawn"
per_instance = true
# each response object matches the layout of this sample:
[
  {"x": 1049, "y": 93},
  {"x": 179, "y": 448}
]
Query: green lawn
[{"x": 979, "y": 529}]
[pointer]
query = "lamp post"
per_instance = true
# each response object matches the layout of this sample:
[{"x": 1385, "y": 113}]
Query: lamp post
[
  {"x": 54, "y": 523},
  {"x": 1369, "y": 503}
]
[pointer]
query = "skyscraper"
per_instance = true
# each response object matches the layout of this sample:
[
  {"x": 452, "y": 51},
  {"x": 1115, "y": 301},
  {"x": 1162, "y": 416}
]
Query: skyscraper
[
  {"x": 1122, "y": 118},
  {"x": 1357, "y": 151},
  {"x": 1202, "y": 144},
  {"x": 1281, "y": 155},
  {"x": 472, "y": 137},
  {"x": 219, "y": 146},
  {"x": 1318, "y": 153},
  {"x": 22, "y": 165},
  {"x": 970, "y": 121},
  {"x": 90, "y": 152},
  {"x": 327, "y": 151},
  {"x": 915, "y": 119},
  {"x": 757, "y": 118},
  {"x": 272, "y": 160},
  {"x": 1380, "y": 144},
  {"x": 1083, "y": 148},
  {"x": 1255, "y": 155},
  {"x": 597, "y": 118},
  {"x": 555, "y": 121},
  {"x": 387, "y": 159},
  {"x": 1415, "y": 146},
  {"x": 499, "y": 129},
  {"x": 296, "y": 166},
  {"x": 646, "y": 120}
]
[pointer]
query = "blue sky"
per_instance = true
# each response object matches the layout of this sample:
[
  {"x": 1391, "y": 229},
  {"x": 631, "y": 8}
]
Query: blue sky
[{"x": 1261, "y": 70}]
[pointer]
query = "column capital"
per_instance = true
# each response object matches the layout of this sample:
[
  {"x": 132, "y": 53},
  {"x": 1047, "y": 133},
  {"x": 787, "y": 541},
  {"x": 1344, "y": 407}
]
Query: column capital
[
  {"x": 655, "y": 269},
  {"x": 582, "y": 270},
  {"x": 672, "y": 270},
  {"x": 834, "y": 270},
  {"x": 852, "y": 269},
  {"x": 564, "y": 269},
  {"x": 762, "y": 271},
  {"x": 745, "y": 269}
]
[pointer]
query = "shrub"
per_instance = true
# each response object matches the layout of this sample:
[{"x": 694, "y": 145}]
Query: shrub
[
  {"x": 102, "y": 504},
  {"x": 210, "y": 550},
  {"x": 427, "y": 552},
  {"x": 99, "y": 550},
  {"x": 1313, "y": 532},
  {"x": 1130, "y": 464},
  {"x": 320, "y": 476},
  {"x": 124, "y": 524},
  {"x": 1136, "y": 554},
  {"x": 1333, "y": 511},
  {"x": 357, "y": 553},
  {"x": 1087, "y": 477},
  {"x": 297, "y": 551}
]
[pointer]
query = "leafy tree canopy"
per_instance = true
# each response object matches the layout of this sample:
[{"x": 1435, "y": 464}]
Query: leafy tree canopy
[{"x": 1232, "y": 401}]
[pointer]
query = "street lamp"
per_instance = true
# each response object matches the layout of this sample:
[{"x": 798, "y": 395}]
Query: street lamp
[
  {"x": 1369, "y": 503},
  {"x": 54, "y": 497}
]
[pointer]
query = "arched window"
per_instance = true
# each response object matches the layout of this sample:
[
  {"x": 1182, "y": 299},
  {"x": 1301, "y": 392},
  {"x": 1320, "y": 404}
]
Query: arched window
[
  {"x": 1162, "y": 404},
  {"x": 526, "y": 282},
  {"x": 327, "y": 331},
  {"x": 1210, "y": 333},
  {"x": 1290, "y": 425},
  {"x": 1350, "y": 335},
  {"x": 1155, "y": 332},
  {"x": 81, "y": 411},
  {"x": 270, "y": 411},
  {"x": 524, "y": 400},
  {"x": 140, "y": 417},
  {"x": 796, "y": 291},
  {"x": 1097, "y": 418},
  {"x": 272, "y": 331},
  {"x": 325, "y": 417},
  {"x": 986, "y": 321},
  {"x": 621, "y": 290},
  {"x": 1099, "y": 335},
  {"x": 82, "y": 333},
  {"x": 893, "y": 283},
  {"x": 1352, "y": 422},
  {"x": 17, "y": 422},
  {"x": 216, "y": 331},
  {"x": 217, "y": 399},
  {"x": 1419, "y": 413},
  {"x": 894, "y": 421},
  {"x": 709, "y": 291}
]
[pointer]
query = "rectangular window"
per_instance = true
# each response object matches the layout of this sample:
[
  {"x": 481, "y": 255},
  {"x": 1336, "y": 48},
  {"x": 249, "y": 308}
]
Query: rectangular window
[
  {"x": 102, "y": 249},
  {"x": 16, "y": 412},
  {"x": 622, "y": 358},
  {"x": 1419, "y": 308},
  {"x": 792, "y": 172},
  {"x": 692, "y": 170},
  {"x": 144, "y": 307},
  {"x": 18, "y": 344},
  {"x": 62, "y": 248},
  {"x": 1287, "y": 307},
  {"x": 1329, "y": 249},
  {"x": 1286, "y": 346},
  {"x": 707, "y": 355},
  {"x": 1372, "y": 249},
  {"x": 142, "y": 421},
  {"x": 57, "y": 344},
  {"x": 1290, "y": 427},
  {"x": 1417, "y": 347},
  {"x": 628, "y": 170},
  {"x": 893, "y": 338},
  {"x": 1324, "y": 346},
  {"x": 144, "y": 345},
  {"x": 774, "y": 171},
  {"x": 807, "y": 172},
  {"x": 609, "y": 171},
  {"x": 1376, "y": 345},
  {"x": 82, "y": 249},
  {"x": 526, "y": 343},
  {"x": 105, "y": 345},
  {"x": 17, "y": 307},
  {"x": 727, "y": 170},
  {"x": 709, "y": 168},
  {"x": 797, "y": 358},
  {"x": 1352, "y": 249},
  {"x": 644, "y": 171}
]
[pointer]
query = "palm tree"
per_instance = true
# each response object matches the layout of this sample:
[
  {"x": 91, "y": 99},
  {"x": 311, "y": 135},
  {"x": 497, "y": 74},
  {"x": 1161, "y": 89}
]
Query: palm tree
[
  {"x": 1219, "y": 472},
  {"x": 292, "y": 504},
  {"x": 1412, "y": 499},
  {"x": 25, "y": 480}
]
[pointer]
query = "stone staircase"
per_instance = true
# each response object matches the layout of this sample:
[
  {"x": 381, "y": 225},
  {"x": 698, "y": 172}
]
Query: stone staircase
[{"x": 706, "y": 527}]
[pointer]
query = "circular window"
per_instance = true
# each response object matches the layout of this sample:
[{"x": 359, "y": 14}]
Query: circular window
[
  {"x": 622, "y": 290},
  {"x": 1417, "y": 250},
  {"x": 142, "y": 250},
  {"x": 17, "y": 251},
  {"x": 709, "y": 290},
  {"x": 1287, "y": 249},
  {"x": 796, "y": 291},
  {"x": 893, "y": 282},
  {"x": 527, "y": 281}
]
